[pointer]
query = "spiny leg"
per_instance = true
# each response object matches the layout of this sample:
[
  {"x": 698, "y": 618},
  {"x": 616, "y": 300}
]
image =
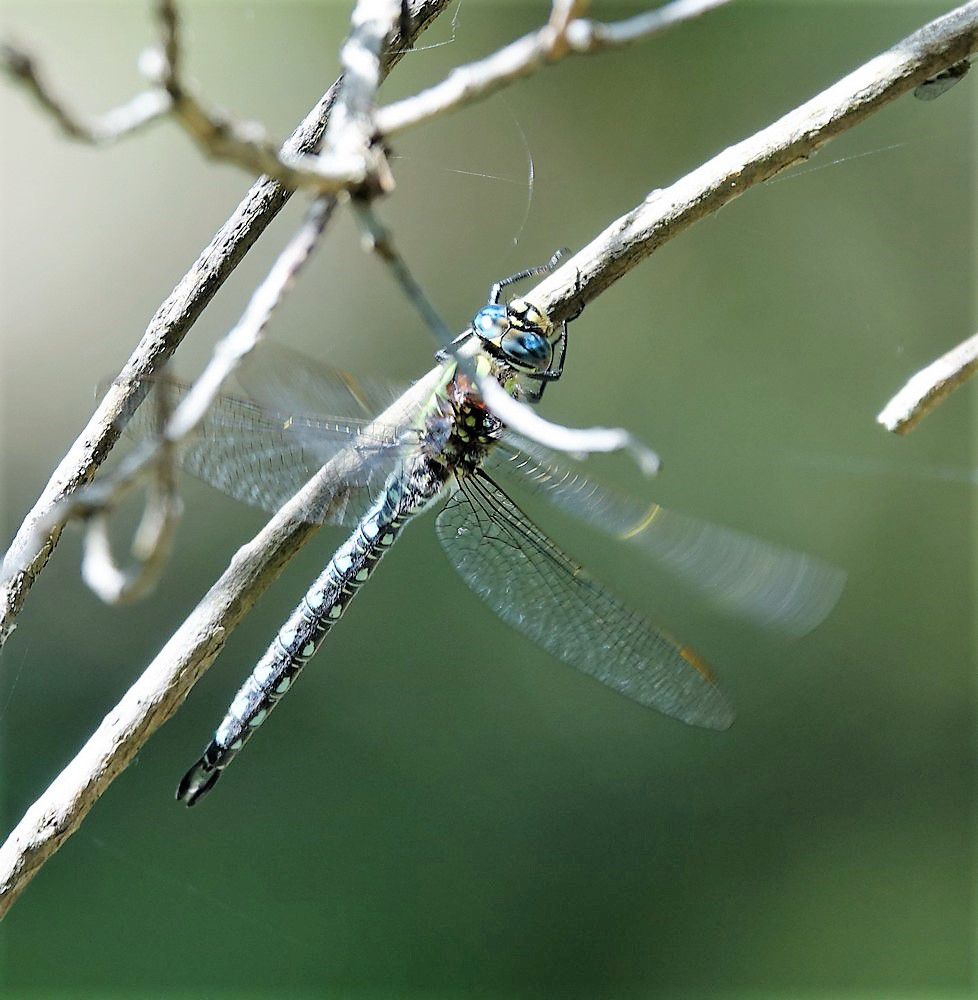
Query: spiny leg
[{"x": 495, "y": 290}]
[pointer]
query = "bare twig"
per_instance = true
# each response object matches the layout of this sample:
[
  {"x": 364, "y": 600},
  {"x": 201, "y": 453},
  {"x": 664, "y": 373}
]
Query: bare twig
[
  {"x": 579, "y": 441},
  {"x": 792, "y": 139},
  {"x": 143, "y": 109},
  {"x": 239, "y": 342},
  {"x": 351, "y": 129},
  {"x": 31, "y": 548},
  {"x": 154, "y": 697},
  {"x": 150, "y": 548},
  {"x": 928, "y": 388},
  {"x": 245, "y": 144},
  {"x": 584, "y": 36},
  {"x": 154, "y": 536},
  {"x": 562, "y": 35},
  {"x": 154, "y": 460}
]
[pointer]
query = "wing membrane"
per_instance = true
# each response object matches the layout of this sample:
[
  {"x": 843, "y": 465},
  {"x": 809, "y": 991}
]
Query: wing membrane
[
  {"x": 533, "y": 586},
  {"x": 743, "y": 575},
  {"x": 262, "y": 457},
  {"x": 281, "y": 380}
]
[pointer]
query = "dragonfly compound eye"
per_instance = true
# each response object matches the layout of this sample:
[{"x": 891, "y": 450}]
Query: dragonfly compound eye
[
  {"x": 527, "y": 350},
  {"x": 519, "y": 331},
  {"x": 491, "y": 324}
]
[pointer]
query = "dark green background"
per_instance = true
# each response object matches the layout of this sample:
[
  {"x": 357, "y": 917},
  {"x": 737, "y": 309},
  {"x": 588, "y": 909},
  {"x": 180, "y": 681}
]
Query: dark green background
[{"x": 443, "y": 810}]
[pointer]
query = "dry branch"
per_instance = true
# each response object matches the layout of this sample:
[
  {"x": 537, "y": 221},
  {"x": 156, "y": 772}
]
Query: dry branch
[
  {"x": 245, "y": 144},
  {"x": 349, "y": 129},
  {"x": 929, "y": 387},
  {"x": 136, "y": 113},
  {"x": 663, "y": 215},
  {"x": 563, "y": 35},
  {"x": 33, "y": 544}
]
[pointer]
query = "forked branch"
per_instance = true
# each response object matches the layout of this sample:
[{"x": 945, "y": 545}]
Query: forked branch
[
  {"x": 563, "y": 35},
  {"x": 245, "y": 144},
  {"x": 37, "y": 536}
]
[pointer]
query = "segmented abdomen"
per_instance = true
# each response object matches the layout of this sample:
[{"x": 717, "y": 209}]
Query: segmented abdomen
[{"x": 303, "y": 633}]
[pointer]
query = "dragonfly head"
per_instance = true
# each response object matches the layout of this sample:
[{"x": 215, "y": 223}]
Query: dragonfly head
[{"x": 520, "y": 333}]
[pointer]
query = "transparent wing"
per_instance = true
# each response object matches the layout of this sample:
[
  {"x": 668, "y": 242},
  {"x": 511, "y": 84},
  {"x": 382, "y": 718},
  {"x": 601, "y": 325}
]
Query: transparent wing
[
  {"x": 262, "y": 457},
  {"x": 281, "y": 380},
  {"x": 544, "y": 594},
  {"x": 749, "y": 578}
]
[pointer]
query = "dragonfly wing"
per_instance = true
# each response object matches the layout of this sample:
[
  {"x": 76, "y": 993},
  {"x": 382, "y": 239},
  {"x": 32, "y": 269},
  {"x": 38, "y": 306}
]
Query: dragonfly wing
[
  {"x": 263, "y": 458},
  {"x": 533, "y": 586},
  {"x": 743, "y": 575},
  {"x": 281, "y": 380}
]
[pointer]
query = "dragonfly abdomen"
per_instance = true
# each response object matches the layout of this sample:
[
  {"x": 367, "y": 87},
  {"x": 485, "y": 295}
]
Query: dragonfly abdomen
[{"x": 303, "y": 633}]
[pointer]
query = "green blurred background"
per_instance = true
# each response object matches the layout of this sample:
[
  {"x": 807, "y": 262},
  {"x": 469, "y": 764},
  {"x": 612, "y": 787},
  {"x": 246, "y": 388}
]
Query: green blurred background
[{"x": 444, "y": 810}]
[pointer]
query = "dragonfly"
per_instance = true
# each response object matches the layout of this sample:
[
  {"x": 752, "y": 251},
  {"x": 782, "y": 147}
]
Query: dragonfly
[{"x": 450, "y": 448}]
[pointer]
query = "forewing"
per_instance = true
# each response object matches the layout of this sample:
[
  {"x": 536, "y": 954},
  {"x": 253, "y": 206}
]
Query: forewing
[
  {"x": 745, "y": 576},
  {"x": 263, "y": 458},
  {"x": 533, "y": 586},
  {"x": 281, "y": 380}
]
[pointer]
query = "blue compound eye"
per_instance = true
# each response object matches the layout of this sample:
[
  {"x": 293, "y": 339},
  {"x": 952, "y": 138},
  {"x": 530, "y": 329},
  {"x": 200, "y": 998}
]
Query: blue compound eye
[
  {"x": 527, "y": 349},
  {"x": 491, "y": 322}
]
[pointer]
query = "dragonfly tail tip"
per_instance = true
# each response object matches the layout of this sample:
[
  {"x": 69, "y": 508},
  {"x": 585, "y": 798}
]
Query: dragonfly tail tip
[{"x": 197, "y": 782}]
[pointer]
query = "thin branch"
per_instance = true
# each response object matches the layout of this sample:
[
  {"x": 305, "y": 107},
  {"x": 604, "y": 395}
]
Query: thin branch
[
  {"x": 579, "y": 441},
  {"x": 150, "y": 548},
  {"x": 153, "y": 539},
  {"x": 929, "y": 387},
  {"x": 351, "y": 129},
  {"x": 29, "y": 550},
  {"x": 588, "y": 37},
  {"x": 154, "y": 460},
  {"x": 377, "y": 239},
  {"x": 241, "y": 340},
  {"x": 155, "y": 696},
  {"x": 560, "y": 37},
  {"x": 140, "y": 111},
  {"x": 791, "y": 140},
  {"x": 245, "y": 144}
]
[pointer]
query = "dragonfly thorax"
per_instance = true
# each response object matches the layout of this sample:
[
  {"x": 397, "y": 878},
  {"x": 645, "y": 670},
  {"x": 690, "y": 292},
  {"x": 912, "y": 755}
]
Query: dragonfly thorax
[
  {"x": 461, "y": 433},
  {"x": 519, "y": 333}
]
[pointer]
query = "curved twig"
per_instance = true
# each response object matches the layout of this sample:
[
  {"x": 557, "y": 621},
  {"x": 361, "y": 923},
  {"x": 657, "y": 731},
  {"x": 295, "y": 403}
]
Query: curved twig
[
  {"x": 245, "y": 144},
  {"x": 561, "y": 36}
]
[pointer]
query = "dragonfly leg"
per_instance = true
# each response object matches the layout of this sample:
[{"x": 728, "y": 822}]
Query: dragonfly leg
[
  {"x": 554, "y": 373},
  {"x": 496, "y": 288}
]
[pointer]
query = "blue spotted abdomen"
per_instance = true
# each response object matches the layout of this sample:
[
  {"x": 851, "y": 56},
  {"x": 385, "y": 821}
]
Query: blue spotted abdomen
[{"x": 303, "y": 633}]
